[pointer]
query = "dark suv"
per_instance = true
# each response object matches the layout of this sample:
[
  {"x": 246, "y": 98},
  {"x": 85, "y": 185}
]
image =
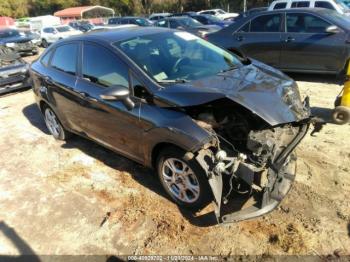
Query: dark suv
[{"x": 210, "y": 124}]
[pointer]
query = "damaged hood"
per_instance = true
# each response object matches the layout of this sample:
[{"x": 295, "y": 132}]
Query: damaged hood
[{"x": 262, "y": 89}]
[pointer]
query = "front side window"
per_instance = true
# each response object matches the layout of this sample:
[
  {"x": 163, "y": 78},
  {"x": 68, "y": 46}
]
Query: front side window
[
  {"x": 244, "y": 29},
  {"x": 266, "y": 23},
  {"x": 324, "y": 4},
  {"x": 102, "y": 67},
  {"x": 304, "y": 23},
  {"x": 65, "y": 58},
  {"x": 184, "y": 56},
  {"x": 63, "y": 29},
  {"x": 280, "y": 6}
]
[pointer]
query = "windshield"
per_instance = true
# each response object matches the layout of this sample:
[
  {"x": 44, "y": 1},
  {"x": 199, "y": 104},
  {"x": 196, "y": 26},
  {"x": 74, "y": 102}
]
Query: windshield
[
  {"x": 8, "y": 33},
  {"x": 343, "y": 4},
  {"x": 221, "y": 11},
  {"x": 213, "y": 18},
  {"x": 188, "y": 22},
  {"x": 174, "y": 56},
  {"x": 63, "y": 29},
  {"x": 341, "y": 20}
]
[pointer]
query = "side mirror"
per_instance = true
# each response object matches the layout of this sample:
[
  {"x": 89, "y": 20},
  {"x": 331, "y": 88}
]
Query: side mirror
[
  {"x": 118, "y": 93},
  {"x": 332, "y": 29}
]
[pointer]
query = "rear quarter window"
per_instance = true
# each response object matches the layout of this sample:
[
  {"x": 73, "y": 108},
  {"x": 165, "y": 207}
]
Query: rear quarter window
[
  {"x": 324, "y": 4},
  {"x": 280, "y": 6}
]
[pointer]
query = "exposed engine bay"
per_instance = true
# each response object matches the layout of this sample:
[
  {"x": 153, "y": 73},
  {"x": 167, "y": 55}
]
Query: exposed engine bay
[{"x": 246, "y": 156}]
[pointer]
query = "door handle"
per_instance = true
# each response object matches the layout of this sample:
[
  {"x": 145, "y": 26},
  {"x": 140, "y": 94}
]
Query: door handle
[
  {"x": 239, "y": 38},
  {"x": 289, "y": 39},
  {"x": 48, "y": 80},
  {"x": 87, "y": 96}
]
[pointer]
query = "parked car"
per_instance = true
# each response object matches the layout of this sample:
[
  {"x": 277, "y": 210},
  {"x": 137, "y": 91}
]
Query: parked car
[
  {"x": 133, "y": 20},
  {"x": 36, "y": 38},
  {"x": 17, "y": 41},
  {"x": 313, "y": 40},
  {"x": 83, "y": 26},
  {"x": 336, "y": 5},
  {"x": 211, "y": 20},
  {"x": 156, "y": 16},
  {"x": 187, "y": 24},
  {"x": 219, "y": 13},
  {"x": 14, "y": 73},
  {"x": 175, "y": 102},
  {"x": 51, "y": 34}
]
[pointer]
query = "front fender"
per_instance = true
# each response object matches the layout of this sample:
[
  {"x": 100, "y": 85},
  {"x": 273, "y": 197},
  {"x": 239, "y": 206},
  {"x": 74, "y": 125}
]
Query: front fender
[{"x": 182, "y": 132}]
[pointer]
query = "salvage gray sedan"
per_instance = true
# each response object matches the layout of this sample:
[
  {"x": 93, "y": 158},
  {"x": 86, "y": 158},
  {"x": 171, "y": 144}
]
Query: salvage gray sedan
[{"x": 209, "y": 124}]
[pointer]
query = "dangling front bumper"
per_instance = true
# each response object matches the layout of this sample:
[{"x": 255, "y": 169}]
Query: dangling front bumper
[{"x": 280, "y": 176}]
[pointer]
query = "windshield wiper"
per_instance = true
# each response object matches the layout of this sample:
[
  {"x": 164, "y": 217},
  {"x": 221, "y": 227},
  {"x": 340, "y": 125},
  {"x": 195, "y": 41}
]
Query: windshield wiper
[{"x": 178, "y": 80}]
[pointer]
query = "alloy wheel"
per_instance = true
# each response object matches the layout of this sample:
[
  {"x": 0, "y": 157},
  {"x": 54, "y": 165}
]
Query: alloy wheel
[{"x": 180, "y": 180}]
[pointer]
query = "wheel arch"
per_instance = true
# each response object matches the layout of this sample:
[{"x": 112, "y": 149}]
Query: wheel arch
[{"x": 159, "y": 148}]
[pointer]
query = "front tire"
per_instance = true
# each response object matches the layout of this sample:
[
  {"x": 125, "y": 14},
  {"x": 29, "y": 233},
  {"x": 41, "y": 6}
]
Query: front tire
[
  {"x": 54, "y": 126},
  {"x": 183, "y": 180}
]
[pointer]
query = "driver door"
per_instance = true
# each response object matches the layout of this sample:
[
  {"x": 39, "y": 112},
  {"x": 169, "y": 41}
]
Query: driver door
[{"x": 108, "y": 122}]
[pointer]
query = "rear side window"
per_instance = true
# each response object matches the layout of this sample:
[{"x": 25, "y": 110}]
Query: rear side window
[
  {"x": 65, "y": 58},
  {"x": 324, "y": 4},
  {"x": 280, "y": 6},
  {"x": 304, "y": 23},
  {"x": 266, "y": 23},
  {"x": 102, "y": 67},
  {"x": 300, "y": 4}
]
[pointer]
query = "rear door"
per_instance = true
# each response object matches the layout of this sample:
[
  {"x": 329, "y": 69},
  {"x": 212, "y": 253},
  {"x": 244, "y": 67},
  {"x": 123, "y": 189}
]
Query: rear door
[
  {"x": 306, "y": 46},
  {"x": 60, "y": 82},
  {"x": 261, "y": 39}
]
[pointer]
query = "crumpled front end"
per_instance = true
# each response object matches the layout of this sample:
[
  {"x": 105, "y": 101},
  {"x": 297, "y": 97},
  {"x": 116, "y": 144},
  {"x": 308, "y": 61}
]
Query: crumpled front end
[
  {"x": 13, "y": 72},
  {"x": 263, "y": 175},
  {"x": 248, "y": 160}
]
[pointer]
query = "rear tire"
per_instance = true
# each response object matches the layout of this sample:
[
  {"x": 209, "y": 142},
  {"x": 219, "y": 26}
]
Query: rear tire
[
  {"x": 54, "y": 125},
  {"x": 183, "y": 180},
  {"x": 341, "y": 115}
]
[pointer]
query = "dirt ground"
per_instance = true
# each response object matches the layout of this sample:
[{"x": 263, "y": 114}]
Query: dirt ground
[{"x": 76, "y": 197}]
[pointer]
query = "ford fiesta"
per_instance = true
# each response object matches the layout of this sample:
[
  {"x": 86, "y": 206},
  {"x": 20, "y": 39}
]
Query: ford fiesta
[{"x": 212, "y": 126}]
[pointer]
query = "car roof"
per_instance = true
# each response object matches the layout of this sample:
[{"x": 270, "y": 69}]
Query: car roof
[
  {"x": 289, "y": 10},
  {"x": 117, "y": 34}
]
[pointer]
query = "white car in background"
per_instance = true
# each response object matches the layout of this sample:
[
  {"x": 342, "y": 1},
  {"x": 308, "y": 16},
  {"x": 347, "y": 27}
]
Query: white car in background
[
  {"x": 219, "y": 13},
  {"x": 51, "y": 34},
  {"x": 337, "y": 5}
]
